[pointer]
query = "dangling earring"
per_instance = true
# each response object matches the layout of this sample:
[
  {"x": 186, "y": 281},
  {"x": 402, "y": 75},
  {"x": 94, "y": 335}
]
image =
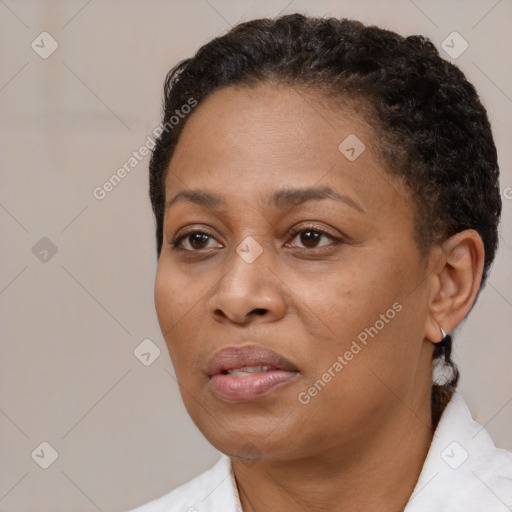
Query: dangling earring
[
  {"x": 441, "y": 376},
  {"x": 447, "y": 338}
]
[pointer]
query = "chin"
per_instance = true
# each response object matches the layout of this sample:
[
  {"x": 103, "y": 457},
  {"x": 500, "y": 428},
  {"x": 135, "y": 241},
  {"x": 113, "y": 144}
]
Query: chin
[{"x": 249, "y": 434}]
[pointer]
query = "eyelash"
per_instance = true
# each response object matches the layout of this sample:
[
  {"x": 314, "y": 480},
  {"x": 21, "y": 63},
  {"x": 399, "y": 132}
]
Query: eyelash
[
  {"x": 177, "y": 241},
  {"x": 291, "y": 233}
]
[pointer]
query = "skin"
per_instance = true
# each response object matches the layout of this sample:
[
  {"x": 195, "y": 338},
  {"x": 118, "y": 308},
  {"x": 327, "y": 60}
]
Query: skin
[{"x": 360, "y": 443}]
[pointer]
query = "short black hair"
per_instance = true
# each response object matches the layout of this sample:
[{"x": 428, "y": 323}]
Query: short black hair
[{"x": 430, "y": 125}]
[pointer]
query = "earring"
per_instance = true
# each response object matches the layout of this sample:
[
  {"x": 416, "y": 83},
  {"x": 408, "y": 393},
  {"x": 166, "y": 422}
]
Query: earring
[
  {"x": 445, "y": 341},
  {"x": 445, "y": 371}
]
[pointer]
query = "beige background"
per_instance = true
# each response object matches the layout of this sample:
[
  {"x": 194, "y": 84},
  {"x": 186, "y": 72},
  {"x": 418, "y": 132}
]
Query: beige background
[{"x": 70, "y": 325}]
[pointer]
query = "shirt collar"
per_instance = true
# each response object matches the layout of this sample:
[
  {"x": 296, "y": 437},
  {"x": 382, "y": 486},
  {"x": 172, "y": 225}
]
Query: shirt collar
[{"x": 463, "y": 470}]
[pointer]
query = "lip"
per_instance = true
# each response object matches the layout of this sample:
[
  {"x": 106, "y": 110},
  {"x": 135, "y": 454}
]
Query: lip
[{"x": 254, "y": 385}]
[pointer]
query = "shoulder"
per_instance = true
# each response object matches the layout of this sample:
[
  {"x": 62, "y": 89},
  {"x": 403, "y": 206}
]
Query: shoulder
[
  {"x": 214, "y": 490},
  {"x": 463, "y": 470}
]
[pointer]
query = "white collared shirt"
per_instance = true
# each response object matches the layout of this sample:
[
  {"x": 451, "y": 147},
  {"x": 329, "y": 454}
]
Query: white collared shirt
[{"x": 463, "y": 472}]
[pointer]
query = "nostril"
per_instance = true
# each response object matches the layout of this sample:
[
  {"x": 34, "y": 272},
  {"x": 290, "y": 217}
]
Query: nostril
[{"x": 260, "y": 311}]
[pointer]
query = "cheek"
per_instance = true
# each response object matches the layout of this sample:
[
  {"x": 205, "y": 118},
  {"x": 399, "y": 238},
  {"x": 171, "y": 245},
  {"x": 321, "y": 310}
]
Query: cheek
[
  {"x": 164, "y": 296},
  {"x": 365, "y": 302},
  {"x": 180, "y": 308},
  {"x": 349, "y": 297},
  {"x": 173, "y": 307},
  {"x": 175, "y": 296}
]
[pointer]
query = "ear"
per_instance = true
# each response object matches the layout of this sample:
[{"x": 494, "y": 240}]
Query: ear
[{"x": 456, "y": 281}]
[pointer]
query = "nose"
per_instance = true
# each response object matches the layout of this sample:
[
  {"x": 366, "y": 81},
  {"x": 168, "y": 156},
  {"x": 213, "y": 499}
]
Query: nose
[{"x": 248, "y": 292}]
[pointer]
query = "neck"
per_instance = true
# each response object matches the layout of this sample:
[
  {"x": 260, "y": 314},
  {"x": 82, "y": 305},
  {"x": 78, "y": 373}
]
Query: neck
[{"x": 370, "y": 473}]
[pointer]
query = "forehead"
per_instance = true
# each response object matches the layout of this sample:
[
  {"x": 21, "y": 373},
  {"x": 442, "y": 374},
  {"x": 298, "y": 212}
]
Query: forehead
[
  {"x": 243, "y": 141},
  {"x": 266, "y": 121}
]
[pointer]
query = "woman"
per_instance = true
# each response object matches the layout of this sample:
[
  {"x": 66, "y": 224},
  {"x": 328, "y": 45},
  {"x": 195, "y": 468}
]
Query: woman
[{"x": 326, "y": 201}]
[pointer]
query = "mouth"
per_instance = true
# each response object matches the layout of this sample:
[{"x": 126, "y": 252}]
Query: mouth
[
  {"x": 244, "y": 373},
  {"x": 247, "y": 370}
]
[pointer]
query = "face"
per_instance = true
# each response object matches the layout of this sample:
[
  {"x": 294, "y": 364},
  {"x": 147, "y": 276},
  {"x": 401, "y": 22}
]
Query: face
[{"x": 290, "y": 291}]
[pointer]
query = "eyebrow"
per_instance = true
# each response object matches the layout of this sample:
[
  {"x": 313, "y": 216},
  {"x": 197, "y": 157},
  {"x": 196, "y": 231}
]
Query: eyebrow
[{"x": 282, "y": 199}]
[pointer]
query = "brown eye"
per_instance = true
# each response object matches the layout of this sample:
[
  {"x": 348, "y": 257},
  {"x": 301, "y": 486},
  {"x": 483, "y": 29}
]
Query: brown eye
[
  {"x": 310, "y": 237},
  {"x": 198, "y": 240},
  {"x": 193, "y": 241}
]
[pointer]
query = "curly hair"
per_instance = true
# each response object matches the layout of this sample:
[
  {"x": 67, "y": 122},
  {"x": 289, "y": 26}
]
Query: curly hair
[{"x": 430, "y": 126}]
